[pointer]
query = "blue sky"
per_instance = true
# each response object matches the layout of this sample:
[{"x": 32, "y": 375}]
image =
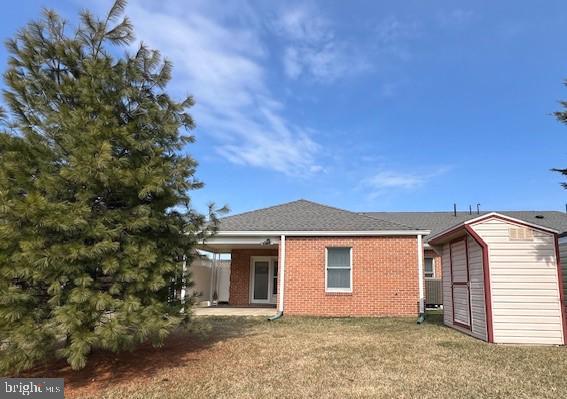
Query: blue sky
[{"x": 364, "y": 105}]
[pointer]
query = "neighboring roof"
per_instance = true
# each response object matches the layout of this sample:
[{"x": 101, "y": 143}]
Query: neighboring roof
[
  {"x": 440, "y": 221},
  {"x": 305, "y": 215}
]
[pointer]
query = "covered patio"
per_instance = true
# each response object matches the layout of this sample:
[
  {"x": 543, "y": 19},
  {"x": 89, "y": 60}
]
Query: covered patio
[{"x": 255, "y": 268}]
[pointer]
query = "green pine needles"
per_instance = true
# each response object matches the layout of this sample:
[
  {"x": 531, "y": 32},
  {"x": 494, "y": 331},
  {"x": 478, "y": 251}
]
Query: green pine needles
[{"x": 95, "y": 215}]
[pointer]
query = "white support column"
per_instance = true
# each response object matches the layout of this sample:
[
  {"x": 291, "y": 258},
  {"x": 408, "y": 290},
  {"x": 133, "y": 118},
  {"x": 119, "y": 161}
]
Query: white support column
[
  {"x": 183, "y": 282},
  {"x": 212, "y": 279},
  {"x": 420, "y": 276},
  {"x": 282, "y": 273}
]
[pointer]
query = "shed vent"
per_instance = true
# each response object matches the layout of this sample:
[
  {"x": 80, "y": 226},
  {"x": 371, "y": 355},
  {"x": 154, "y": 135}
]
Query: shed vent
[{"x": 520, "y": 234}]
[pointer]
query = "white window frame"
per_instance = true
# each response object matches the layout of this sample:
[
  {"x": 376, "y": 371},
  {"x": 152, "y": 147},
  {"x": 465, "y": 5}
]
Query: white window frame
[
  {"x": 327, "y": 289},
  {"x": 432, "y": 265}
]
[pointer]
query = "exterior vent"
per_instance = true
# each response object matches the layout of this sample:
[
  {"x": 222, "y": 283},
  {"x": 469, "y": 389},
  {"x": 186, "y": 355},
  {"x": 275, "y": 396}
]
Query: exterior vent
[{"x": 520, "y": 234}]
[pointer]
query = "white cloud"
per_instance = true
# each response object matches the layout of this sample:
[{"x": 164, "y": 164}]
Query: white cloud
[
  {"x": 387, "y": 180},
  {"x": 303, "y": 24},
  {"x": 292, "y": 63},
  {"x": 390, "y": 179},
  {"x": 392, "y": 30},
  {"x": 222, "y": 65},
  {"x": 312, "y": 48}
]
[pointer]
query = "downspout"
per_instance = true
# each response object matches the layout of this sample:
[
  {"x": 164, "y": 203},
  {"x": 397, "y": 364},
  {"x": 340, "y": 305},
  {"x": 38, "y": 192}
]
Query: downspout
[
  {"x": 281, "y": 280},
  {"x": 421, "y": 283}
]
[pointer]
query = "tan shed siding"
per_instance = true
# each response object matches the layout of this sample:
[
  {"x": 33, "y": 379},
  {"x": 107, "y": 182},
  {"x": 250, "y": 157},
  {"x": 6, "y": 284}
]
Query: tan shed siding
[
  {"x": 459, "y": 261},
  {"x": 478, "y": 308},
  {"x": 563, "y": 257},
  {"x": 459, "y": 274},
  {"x": 447, "y": 292},
  {"x": 525, "y": 293}
]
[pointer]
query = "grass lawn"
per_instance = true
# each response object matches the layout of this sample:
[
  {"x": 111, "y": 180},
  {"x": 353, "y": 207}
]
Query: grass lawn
[{"x": 322, "y": 358}]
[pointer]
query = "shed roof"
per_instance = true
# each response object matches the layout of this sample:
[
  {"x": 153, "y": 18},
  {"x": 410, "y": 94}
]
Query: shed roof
[
  {"x": 437, "y": 222},
  {"x": 450, "y": 231}
]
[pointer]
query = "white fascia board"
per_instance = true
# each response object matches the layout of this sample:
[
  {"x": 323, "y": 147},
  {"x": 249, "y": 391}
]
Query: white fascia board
[
  {"x": 322, "y": 233},
  {"x": 240, "y": 240}
]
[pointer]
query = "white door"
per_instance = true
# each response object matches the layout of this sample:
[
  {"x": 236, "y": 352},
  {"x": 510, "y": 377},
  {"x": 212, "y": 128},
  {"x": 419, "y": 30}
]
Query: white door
[{"x": 263, "y": 284}]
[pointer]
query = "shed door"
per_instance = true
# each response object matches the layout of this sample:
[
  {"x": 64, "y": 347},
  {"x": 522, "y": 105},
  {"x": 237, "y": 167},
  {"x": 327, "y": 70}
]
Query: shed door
[{"x": 460, "y": 283}]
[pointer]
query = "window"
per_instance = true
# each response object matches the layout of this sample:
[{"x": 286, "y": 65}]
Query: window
[
  {"x": 275, "y": 279},
  {"x": 339, "y": 270},
  {"x": 429, "y": 268}
]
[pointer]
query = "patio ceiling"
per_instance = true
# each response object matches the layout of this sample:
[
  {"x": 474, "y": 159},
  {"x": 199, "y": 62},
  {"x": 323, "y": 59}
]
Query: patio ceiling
[{"x": 224, "y": 244}]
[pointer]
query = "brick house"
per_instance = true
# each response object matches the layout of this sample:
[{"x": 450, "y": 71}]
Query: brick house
[{"x": 311, "y": 259}]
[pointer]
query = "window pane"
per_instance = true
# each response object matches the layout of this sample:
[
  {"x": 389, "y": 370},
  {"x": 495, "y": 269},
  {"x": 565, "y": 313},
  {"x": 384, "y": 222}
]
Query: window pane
[
  {"x": 338, "y": 278},
  {"x": 428, "y": 265},
  {"x": 261, "y": 276},
  {"x": 338, "y": 257},
  {"x": 275, "y": 279},
  {"x": 429, "y": 269}
]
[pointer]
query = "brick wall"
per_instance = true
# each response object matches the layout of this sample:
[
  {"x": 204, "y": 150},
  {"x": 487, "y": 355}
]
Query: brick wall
[
  {"x": 240, "y": 273},
  {"x": 384, "y": 277}
]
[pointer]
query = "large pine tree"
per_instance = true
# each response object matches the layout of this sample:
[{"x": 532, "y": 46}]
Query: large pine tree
[{"x": 95, "y": 215}]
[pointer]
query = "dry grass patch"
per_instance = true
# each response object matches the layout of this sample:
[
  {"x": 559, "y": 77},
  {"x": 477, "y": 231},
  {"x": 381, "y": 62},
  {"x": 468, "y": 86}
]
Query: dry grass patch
[{"x": 323, "y": 358}]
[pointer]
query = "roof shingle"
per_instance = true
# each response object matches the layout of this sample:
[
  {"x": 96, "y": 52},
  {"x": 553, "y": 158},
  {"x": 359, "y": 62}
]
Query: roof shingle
[{"x": 305, "y": 215}]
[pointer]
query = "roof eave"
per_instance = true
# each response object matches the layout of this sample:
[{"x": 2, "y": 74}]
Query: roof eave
[{"x": 327, "y": 233}]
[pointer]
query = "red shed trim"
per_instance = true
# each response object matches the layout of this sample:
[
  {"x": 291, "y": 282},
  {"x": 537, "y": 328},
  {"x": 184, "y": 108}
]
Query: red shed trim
[
  {"x": 560, "y": 281},
  {"x": 486, "y": 280}
]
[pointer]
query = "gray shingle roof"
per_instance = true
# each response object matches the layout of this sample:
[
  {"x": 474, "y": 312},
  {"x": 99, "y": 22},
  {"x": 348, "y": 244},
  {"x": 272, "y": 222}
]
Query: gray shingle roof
[
  {"x": 305, "y": 215},
  {"x": 439, "y": 221}
]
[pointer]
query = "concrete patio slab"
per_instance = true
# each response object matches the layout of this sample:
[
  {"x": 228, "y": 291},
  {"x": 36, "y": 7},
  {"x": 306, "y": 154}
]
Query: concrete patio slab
[{"x": 234, "y": 311}]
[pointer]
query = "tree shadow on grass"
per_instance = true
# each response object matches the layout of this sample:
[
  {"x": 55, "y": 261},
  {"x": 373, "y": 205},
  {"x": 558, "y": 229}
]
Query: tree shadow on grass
[{"x": 182, "y": 347}]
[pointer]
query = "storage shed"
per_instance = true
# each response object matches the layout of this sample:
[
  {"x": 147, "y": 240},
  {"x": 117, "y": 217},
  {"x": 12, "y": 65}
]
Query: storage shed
[{"x": 502, "y": 280}]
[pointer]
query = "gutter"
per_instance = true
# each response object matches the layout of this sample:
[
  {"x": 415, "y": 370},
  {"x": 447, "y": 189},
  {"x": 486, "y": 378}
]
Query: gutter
[{"x": 320, "y": 233}]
